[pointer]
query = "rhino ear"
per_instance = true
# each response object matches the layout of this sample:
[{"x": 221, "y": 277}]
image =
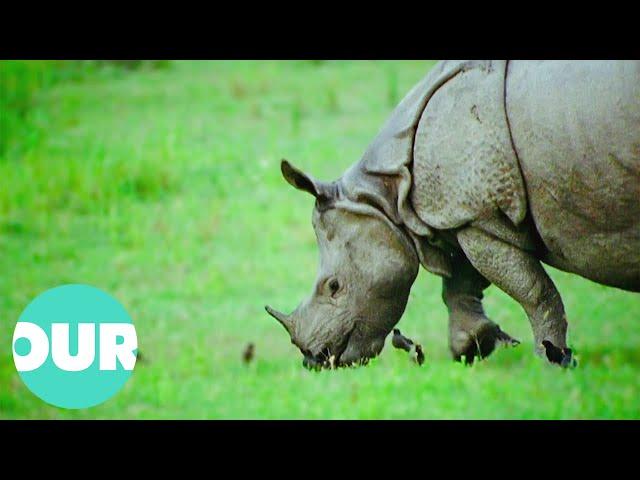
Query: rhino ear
[{"x": 300, "y": 180}]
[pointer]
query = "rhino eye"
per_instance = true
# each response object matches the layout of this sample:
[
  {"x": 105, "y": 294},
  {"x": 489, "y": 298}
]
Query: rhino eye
[{"x": 334, "y": 286}]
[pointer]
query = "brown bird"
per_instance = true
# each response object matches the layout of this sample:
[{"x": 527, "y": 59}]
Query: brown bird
[
  {"x": 400, "y": 341},
  {"x": 247, "y": 355},
  {"x": 140, "y": 358},
  {"x": 419, "y": 358}
]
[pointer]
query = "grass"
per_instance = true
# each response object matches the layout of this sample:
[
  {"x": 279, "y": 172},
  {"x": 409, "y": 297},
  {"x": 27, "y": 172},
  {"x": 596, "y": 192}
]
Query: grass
[{"x": 162, "y": 187}]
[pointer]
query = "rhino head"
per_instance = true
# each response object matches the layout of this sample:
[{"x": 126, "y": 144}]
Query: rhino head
[{"x": 367, "y": 266}]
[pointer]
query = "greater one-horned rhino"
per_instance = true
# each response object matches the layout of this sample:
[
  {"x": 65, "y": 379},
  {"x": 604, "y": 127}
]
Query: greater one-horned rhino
[{"x": 482, "y": 172}]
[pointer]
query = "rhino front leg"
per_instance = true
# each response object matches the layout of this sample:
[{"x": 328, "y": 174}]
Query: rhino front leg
[
  {"x": 521, "y": 276},
  {"x": 471, "y": 333}
]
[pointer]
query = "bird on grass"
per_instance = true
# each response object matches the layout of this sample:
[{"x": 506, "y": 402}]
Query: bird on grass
[
  {"x": 419, "y": 356},
  {"x": 403, "y": 343},
  {"x": 561, "y": 356},
  {"x": 400, "y": 341},
  {"x": 248, "y": 353},
  {"x": 140, "y": 358}
]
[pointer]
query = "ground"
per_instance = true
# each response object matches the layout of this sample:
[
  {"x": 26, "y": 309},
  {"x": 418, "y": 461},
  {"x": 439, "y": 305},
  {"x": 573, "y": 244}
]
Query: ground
[{"x": 162, "y": 187}]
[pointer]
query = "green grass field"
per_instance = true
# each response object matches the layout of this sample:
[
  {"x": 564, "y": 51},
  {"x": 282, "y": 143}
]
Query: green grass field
[{"x": 162, "y": 186}]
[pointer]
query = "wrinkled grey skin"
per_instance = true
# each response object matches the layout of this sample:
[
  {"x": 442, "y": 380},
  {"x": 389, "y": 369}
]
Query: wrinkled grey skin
[{"x": 484, "y": 170}]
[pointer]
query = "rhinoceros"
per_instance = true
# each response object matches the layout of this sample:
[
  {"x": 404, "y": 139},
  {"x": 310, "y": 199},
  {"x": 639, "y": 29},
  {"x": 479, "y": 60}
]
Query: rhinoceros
[{"x": 484, "y": 171}]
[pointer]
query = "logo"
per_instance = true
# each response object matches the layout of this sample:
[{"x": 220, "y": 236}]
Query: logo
[{"x": 74, "y": 346}]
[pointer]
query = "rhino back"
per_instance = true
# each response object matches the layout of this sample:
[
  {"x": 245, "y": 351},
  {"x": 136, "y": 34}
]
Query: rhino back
[
  {"x": 575, "y": 127},
  {"x": 464, "y": 166}
]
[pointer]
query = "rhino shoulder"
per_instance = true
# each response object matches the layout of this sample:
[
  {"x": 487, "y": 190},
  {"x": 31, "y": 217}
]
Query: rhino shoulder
[
  {"x": 383, "y": 176},
  {"x": 464, "y": 164},
  {"x": 392, "y": 148}
]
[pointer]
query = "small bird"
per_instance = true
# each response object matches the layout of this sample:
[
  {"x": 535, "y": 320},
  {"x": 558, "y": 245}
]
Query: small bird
[
  {"x": 554, "y": 354},
  {"x": 561, "y": 356},
  {"x": 419, "y": 358},
  {"x": 247, "y": 355},
  {"x": 400, "y": 341},
  {"x": 403, "y": 343}
]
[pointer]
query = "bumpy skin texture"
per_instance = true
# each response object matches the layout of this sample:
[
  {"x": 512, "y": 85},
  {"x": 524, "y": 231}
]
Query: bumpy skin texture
[
  {"x": 576, "y": 129},
  {"x": 573, "y": 129},
  {"x": 519, "y": 274},
  {"x": 471, "y": 333},
  {"x": 485, "y": 170},
  {"x": 462, "y": 145}
]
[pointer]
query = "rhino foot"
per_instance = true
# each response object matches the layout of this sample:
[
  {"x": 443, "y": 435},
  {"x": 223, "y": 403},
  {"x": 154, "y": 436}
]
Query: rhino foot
[
  {"x": 480, "y": 344},
  {"x": 559, "y": 356}
]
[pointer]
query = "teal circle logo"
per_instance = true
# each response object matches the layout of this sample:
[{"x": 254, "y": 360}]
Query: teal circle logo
[{"x": 75, "y": 346}]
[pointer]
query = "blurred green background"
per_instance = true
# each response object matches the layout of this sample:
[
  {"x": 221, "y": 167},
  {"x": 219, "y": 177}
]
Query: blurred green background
[{"x": 159, "y": 183}]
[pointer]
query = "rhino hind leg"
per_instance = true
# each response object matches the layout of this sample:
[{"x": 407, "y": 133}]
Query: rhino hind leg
[
  {"x": 471, "y": 334},
  {"x": 519, "y": 274}
]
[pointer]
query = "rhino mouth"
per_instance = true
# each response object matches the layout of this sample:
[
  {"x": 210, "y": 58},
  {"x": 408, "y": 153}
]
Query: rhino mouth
[{"x": 327, "y": 360}]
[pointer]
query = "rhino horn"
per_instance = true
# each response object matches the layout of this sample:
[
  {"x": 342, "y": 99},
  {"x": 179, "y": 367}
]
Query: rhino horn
[{"x": 285, "y": 320}]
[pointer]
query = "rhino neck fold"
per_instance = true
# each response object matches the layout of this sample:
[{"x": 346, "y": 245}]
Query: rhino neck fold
[{"x": 388, "y": 194}]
